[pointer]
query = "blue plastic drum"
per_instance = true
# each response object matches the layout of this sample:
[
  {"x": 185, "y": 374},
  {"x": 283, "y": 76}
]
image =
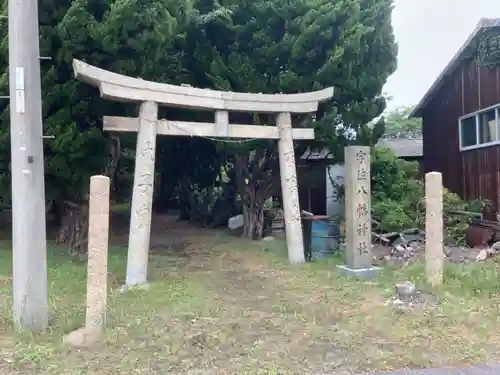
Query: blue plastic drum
[{"x": 320, "y": 240}]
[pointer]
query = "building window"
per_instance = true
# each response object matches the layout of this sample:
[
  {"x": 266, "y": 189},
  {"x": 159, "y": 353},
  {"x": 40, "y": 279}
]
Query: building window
[
  {"x": 468, "y": 130},
  {"x": 480, "y": 129}
]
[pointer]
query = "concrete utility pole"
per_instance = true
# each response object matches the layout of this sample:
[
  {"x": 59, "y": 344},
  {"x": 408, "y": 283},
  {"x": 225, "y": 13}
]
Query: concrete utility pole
[{"x": 30, "y": 305}]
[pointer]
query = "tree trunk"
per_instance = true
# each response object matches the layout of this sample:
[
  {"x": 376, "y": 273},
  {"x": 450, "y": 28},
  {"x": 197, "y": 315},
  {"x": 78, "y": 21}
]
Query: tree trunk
[
  {"x": 255, "y": 184},
  {"x": 253, "y": 215},
  {"x": 113, "y": 158},
  {"x": 74, "y": 217},
  {"x": 73, "y": 230}
]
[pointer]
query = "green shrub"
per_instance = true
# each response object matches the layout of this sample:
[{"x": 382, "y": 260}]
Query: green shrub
[
  {"x": 398, "y": 197},
  {"x": 397, "y": 194}
]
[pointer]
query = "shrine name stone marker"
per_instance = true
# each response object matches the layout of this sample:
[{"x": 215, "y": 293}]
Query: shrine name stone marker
[
  {"x": 358, "y": 218},
  {"x": 118, "y": 87}
]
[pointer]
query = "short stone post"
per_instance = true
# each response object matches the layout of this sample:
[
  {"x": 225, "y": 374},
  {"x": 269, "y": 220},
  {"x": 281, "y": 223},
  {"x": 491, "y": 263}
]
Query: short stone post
[
  {"x": 358, "y": 216},
  {"x": 434, "y": 252},
  {"x": 97, "y": 266},
  {"x": 142, "y": 196},
  {"x": 288, "y": 173}
]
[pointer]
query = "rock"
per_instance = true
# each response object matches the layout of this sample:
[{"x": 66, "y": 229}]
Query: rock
[
  {"x": 496, "y": 246},
  {"x": 405, "y": 291},
  {"x": 398, "y": 241},
  {"x": 400, "y": 248},
  {"x": 400, "y": 306},
  {"x": 411, "y": 231},
  {"x": 408, "y": 238},
  {"x": 491, "y": 251},
  {"x": 415, "y": 244},
  {"x": 236, "y": 222},
  {"x": 482, "y": 255},
  {"x": 460, "y": 254},
  {"x": 268, "y": 238},
  {"x": 409, "y": 299},
  {"x": 448, "y": 251},
  {"x": 83, "y": 337}
]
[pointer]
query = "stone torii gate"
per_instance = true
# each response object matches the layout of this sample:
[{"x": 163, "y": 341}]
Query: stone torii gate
[{"x": 127, "y": 89}]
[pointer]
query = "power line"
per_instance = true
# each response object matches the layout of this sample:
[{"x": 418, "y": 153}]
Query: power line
[{"x": 221, "y": 140}]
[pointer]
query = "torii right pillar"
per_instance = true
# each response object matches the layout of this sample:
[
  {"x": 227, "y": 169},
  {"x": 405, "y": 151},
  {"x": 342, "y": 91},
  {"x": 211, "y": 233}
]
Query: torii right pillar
[{"x": 291, "y": 207}]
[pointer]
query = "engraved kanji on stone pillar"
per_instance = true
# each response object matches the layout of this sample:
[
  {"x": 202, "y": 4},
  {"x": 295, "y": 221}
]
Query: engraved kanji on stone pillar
[
  {"x": 288, "y": 173},
  {"x": 358, "y": 207},
  {"x": 142, "y": 196},
  {"x": 358, "y": 218}
]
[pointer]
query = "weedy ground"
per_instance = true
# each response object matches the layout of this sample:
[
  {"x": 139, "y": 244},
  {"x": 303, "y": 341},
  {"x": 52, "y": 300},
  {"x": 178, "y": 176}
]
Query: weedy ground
[{"x": 223, "y": 305}]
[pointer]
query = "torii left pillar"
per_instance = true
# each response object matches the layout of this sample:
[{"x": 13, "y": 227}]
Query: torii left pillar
[{"x": 142, "y": 196}]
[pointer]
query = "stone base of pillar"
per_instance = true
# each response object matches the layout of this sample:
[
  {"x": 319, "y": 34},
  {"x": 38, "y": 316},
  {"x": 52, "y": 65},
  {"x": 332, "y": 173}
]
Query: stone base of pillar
[
  {"x": 83, "y": 337},
  {"x": 126, "y": 288},
  {"x": 362, "y": 273}
]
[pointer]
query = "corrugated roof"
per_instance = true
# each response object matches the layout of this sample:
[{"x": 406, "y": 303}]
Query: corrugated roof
[
  {"x": 483, "y": 23},
  {"x": 316, "y": 154},
  {"x": 404, "y": 148}
]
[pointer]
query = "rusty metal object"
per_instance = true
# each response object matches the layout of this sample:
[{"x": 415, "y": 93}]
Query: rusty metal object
[{"x": 481, "y": 233}]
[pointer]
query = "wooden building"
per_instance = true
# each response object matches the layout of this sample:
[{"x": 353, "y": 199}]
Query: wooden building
[{"x": 461, "y": 120}]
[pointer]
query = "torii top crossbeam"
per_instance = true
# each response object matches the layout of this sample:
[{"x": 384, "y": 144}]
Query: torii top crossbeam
[{"x": 123, "y": 88}]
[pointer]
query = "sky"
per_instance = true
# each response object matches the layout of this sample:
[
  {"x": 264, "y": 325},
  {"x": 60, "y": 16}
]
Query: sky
[{"x": 429, "y": 33}]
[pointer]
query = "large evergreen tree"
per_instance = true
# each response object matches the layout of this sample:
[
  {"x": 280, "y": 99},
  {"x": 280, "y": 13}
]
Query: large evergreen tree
[
  {"x": 288, "y": 46},
  {"x": 127, "y": 36},
  {"x": 267, "y": 46}
]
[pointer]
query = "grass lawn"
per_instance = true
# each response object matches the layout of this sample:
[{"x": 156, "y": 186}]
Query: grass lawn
[{"x": 221, "y": 305}]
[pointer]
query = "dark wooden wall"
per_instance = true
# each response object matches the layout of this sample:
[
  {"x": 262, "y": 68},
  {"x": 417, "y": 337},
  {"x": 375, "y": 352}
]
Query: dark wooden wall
[
  {"x": 311, "y": 184},
  {"x": 473, "y": 174},
  {"x": 311, "y": 181}
]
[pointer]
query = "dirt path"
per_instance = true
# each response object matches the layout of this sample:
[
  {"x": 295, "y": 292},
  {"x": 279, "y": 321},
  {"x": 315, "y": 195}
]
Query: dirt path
[{"x": 258, "y": 322}]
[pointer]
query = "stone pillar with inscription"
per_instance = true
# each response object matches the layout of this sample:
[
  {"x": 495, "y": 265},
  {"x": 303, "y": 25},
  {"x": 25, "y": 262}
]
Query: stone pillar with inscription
[
  {"x": 288, "y": 173},
  {"x": 358, "y": 250},
  {"x": 142, "y": 196}
]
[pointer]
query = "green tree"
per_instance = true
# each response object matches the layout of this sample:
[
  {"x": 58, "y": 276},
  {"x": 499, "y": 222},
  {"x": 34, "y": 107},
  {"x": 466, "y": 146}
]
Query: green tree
[
  {"x": 399, "y": 124},
  {"x": 285, "y": 46},
  {"x": 488, "y": 48},
  {"x": 127, "y": 36},
  {"x": 256, "y": 46}
]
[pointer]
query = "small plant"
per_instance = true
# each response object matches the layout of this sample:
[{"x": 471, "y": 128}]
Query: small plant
[
  {"x": 455, "y": 226},
  {"x": 399, "y": 198},
  {"x": 397, "y": 192}
]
